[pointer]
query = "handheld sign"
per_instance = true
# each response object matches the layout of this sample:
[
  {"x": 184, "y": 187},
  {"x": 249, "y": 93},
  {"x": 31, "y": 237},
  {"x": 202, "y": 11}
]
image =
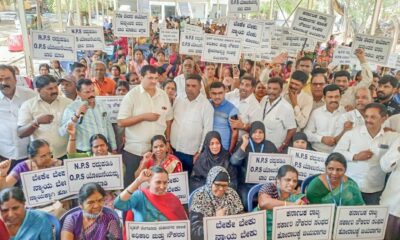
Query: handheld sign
[
  {"x": 342, "y": 55},
  {"x": 307, "y": 162},
  {"x": 87, "y": 38},
  {"x": 45, "y": 186},
  {"x": 191, "y": 44},
  {"x": 263, "y": 167},
  {"x": 170, "y": 230},
  {"x": 276, "y": 37},
  {"x": 377, "y": 49},
  {"x": 113, "y": 103},
  {"x": 178, "y": 184},
  {"x": 266, "y": 40},
  {"x": 128, "y": 24},
  {"x": 392, "y": 62},
  {"x": 249, "y": 31},
  {"x": 243, "y": 6},
  {"x": 169, "y": 35},
  {"x": 306, "y": 222},
  {"x": 267, "y": 56},
  {"x": 295, "y": 43},
  {"x": 360, "y": 222},
  {"x": 193, "y": 29},
  {"x": 221, "y": 49},
  {"x": 49, "y": 45},
  {"x": 312, "y": 24},
  {"x": 243, "y": 226},
  {"x": 104, "y": 170}
]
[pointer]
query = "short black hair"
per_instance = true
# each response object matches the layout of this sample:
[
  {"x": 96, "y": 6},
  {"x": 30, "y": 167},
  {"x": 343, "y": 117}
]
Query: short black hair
[
  {"x": 319, "y": 71},
  {"x": 77, "y": 65},
  {"x": 168, "y": 81},
  {"x": 376, "y": 75},
  {"x": 314, "y": 75},
  {"x": 88, "y": 189},
  {"x": 9, "y": 68},
  {"x": 303, "y": 59},
  {"x": 217, "y": 85},
  {"x": 250, "y": 78},
  {"x": 83, "y": 81},
  {"x": 251, "y": 62},
  {"x": 43, "y": 81},
  {"x": 338, "y": 157},
  {"x": 116, "y": 66},
  {"x": 283, "y": 170},
  {"x": 47, "y": 66},
  {"x": 277, "y": 80},
  {"x": 331, "y": 88},
  {"x": 342, "y": 73},
  {"x": 193, "y": 76},
  {"x": 300, "y": 76},
  {"x": 382, "y": 109},
  {"x": 389, "y": 79},
  {"x": 12, "y": 193},
  {"x": 147, "y": 69},
  {"x": 124, "y": 84}
]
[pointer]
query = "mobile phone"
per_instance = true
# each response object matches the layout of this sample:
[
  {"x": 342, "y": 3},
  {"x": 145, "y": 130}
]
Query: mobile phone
[{"x": 234, "y": 117}]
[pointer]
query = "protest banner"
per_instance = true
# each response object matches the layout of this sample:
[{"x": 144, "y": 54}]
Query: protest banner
[
  {"x": 393, "y": 61},
  {"x": 243, "y": 6},
  {"x": 360, "y": 222},
  {"x": 267, "y": 56},
  {"x": 243, "y": 226},
  {"x": 221, "y": 49},
  {"x": 128, "y": 24},
  {"x": 294, "y": 43},
  {"x": 51, "y": 45},
  {"x": 113, "y": 103},
  {"x": 193, "y": 29},
  {"x": 276, "y": 37},
  {"x": 312, "y": 24},
  {"x": 87, "y": 38},
  {"x": 168, "y": 230},
  {"x": 191, "y": 44},
  {"x": 249, "y": 31},
  {"x": 104, "y": 170},
  {"x": 263, "y": 167},
  {"x": 169, "y": 35},
  {"x": 305, "y": 222},
  {"x": 377, "y": 49},
  {"x": 342, "y": 55},
  {"x": 178, "y": 184},
  {"x": 266, "y": 40},
  {"x": 307, "y": 162}
]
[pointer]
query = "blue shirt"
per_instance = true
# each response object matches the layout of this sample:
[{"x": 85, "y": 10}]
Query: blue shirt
[{"x": 221, "y": 124}]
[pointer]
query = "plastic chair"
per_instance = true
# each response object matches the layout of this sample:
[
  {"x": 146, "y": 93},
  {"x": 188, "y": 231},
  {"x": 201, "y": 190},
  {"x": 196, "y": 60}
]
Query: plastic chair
[
  {"x": 306, "y": 182},
  {"x": 56, "y": 224},
  {"x": 253, "y": 191},
  {"x": 191, "y": 197}
]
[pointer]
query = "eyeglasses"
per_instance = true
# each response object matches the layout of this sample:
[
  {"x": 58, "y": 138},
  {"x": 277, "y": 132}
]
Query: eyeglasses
[
  {"x": 318, "y": 84},
  {"x": 223, "y": 186}
]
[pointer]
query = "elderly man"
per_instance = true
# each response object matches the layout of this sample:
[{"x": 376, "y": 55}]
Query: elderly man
[
  {"x": 67, "y": 85},
  {"x": 103, "y": 86},
  {"x": 187, "y": 68}
]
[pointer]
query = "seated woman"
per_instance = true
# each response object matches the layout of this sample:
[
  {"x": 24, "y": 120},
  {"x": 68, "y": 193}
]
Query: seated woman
[
  {"x": 154, "y": 203},
  {"x": 280, "y": 193},
  {"x": 93, "y": 220},
  {"x": 300, "y": 141},
  {"x": 255, "y": 142},
  {"x": 215, "y": 198},
  {"x": 22, "y": 223},
  {"x": 213, "y": 154},
  {"x": 334, "y": 186}
]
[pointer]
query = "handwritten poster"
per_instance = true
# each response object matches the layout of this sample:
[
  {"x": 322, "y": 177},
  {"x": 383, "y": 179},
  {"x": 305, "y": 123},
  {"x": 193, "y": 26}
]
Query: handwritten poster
[
  {"x": 263, "y": 167},
  {"x": 192, "y": 29},
  {"x": 307, "y": 162},
  {"x": 377, "y": 49},
  {"x": 295, "y": 43},
  {"x": 129, "y": 24},
  {"x": 266, "y": 40},
  {"x": 243, "y": 6},
  {"x": 113, "y": 103},
  {"x": 171, "y": 230},
  {"x": 51, "y": 45},
  {"x": 87, "y": 38},
  {"x": 221, "y": 49},
  {"x": 178, "y": 184}
]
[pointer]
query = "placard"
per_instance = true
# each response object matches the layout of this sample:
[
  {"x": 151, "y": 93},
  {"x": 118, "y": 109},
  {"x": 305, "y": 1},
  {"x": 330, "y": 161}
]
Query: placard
[
  {"x": 178, "y": 184},
  {"x": 109, "y": 50},
  {"x": 169, "y": 35},
  {"x": 42, "y": 187},
  {"x": 393, "y": 61},
  {"x": 377, "y": 49},
  {"x": 168, "y": 230},
  {"x": 191, "y": 44},
  {"x": 250, "y": 32},
  {"x": 263, "y": 167},
  {"x": 243, "y": 226},
  {"x": 342, "y": 55},
  {"x": 113, "y": 103},
  {"x": 305, "y": 222},
  {"x": 128, "y": 24},
  {"x": 360, "y": 222},
  {"x": 49, "y": 45},
  {"x": 266, "y": 40},
  {"x": 312, "y": 24},
  {"x": 267, "y": 56},
  {"x": 192, "y": 29},
  {"x": 295, "y": 43},
  {"x": 307, "y": 162},
  {"x": 104, "y": 170},
  {"x": 221, "y": 49},
  {"x": 243, "y": 6},
  {"x": 87, "y": 38},
  {"x": 276, "y": 37}
]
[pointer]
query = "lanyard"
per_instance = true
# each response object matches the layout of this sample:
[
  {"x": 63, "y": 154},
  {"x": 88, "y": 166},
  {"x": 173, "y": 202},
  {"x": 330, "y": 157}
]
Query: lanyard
[
  {"x": 272, "y": 107},
  {"x": 252, "y": 146},
  {"x": 340, "y": 193}
]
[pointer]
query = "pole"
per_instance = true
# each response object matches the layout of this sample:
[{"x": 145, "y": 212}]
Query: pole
[
  {"x": 97, "y": 10},
  {"x": 38, "y": 15},
  {"x": 78, "y": 13},
  {"x": 375, "y": 16},
  {"x": 60, "y": 20},
  {"x": 271, "y": 9},
  {"x": 90, "y": 12},
  {"x": 24, "y": 30}
]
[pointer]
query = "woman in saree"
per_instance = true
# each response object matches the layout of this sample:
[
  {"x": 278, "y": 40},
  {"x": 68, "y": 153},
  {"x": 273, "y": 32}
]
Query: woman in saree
[
  {"x": 92, "y": 220},
  {"x": 334, "y": 186}
]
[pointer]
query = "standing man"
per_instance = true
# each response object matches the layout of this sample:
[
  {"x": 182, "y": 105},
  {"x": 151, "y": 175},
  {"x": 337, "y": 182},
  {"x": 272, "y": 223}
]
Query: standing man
[
  {"x": 387, "y": 87},
  {"x": 78, "y": 70},
  {"x": 318, "y": 82},
  {"x": 305, "y": 64},
  {"x": 103, "y": 86},
  {"x": 187, "y": 68}
]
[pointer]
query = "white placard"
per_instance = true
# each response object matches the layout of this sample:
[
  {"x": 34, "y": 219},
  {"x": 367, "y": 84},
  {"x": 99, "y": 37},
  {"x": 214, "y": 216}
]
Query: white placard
[
  {"x": 87, "y": 38},
  {"x": 168, "y": 230},
  {"x": 191, "y": 44},
  {"x": 109, "y": 50},
  {"x": 342, "y": 55},
  {"x": 178, "y": 184},
  {"x": 266, "y": 40},
  {"x": 263, "y": 167},
  {"x": 113, "y": 103},
  {"x": 221, "y": 49},
  {"x": 243, "y": 6},
  {"x": 45, "y": 186},
  {"x": 377, "y": 49},
  {"x": 306, "y": 222},
  {"x": 249, "y": 31},
  {"x": 307, "y": 162},
  {"x": 392, "y": 61},
  {"x": 276, "y": 37},
  {"x": 295, "y": 43},
  {"x": 267, "y": 56},
  {"x": 312, "y": 24},
  {"x": 192, "y": 29},
  {"x": 50, "y": 45},
  {"x": 169, "y": 35},
  {"x": 104, "y": 170},
  {"x": 243, "y": 226},
  {"x": 129, "y": 24},
  {"x": 360, "y": 222}
]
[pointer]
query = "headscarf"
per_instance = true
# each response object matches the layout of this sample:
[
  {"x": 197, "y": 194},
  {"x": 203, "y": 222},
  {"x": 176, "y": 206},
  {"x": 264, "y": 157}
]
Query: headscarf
[
  {"x": 300, "y": 136},
  {"x": 206, "y": 203},
  {"x": 257, "y": 125}
]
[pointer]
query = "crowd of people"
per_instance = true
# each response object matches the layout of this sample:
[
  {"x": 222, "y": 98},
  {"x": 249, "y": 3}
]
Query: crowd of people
[{"x": 181, "y": 114}]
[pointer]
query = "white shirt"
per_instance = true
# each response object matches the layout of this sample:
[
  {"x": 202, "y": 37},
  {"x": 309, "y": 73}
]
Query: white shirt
[
  {"x": 322, "y": 123},
  {"x": 180, "y": 86},
  {"x": 353, "y": 116},
  {"x": 192, "y": 121},
  {"x": 302, "y": 110},
  {"x": 368, "y": 173},
  {"x": 137, "y": 101},
  {"x": 35, "y": 107},
  {"x": 393, "y": 122},
  {"x": 349, "y": 96},
  {"x": 278, "y": 118},
  {"x": 11, "y": 146}
]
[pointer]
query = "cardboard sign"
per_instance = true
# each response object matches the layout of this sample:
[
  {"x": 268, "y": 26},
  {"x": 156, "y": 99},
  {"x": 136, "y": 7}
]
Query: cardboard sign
[
  {"x": 306, "y": 222},
  {"x": 276, "y": 37},
  {"x": 250, "y": 32},
  {"x": 45, "y": 186},
  {"x": 393, "y": 61},
  {"x": 49, "y": 45},
  {"x": 191, "y": 44},
  {"x": 307, "y": 162},
  {"x": 243, "y": 226},
  {"x": 377, "y": 49},
  {"x": 243, "y": 6},
  {"x": 87, "y": 38},
  {"x": 221, "y": 49},
  {"x": 128, "y": 24},
  {"x": 267, "y": 56},
  {"x": 295, "y": 43},
  {"x": 193, "y": 29},
  {"x": 342, "y": 55},
  {"x": 263, "y": 167},
  {"x": 169, "y": 35},
  {"x": 169, "y": 230},
  {"x": 109, "y": 50},
  {"x": 266, "y": 40},
  {"x": 104, "y": 170},
  {"x": 113, "y": 103},
  {"x": 360, "y": 222},
  {"x": 178, "y": 184},
  {"x": 312, "y": 24}
]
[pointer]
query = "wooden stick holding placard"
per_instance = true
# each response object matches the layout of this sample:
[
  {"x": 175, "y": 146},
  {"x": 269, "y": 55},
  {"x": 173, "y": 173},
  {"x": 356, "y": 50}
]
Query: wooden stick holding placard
[{"x": 220, "y": 72}]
